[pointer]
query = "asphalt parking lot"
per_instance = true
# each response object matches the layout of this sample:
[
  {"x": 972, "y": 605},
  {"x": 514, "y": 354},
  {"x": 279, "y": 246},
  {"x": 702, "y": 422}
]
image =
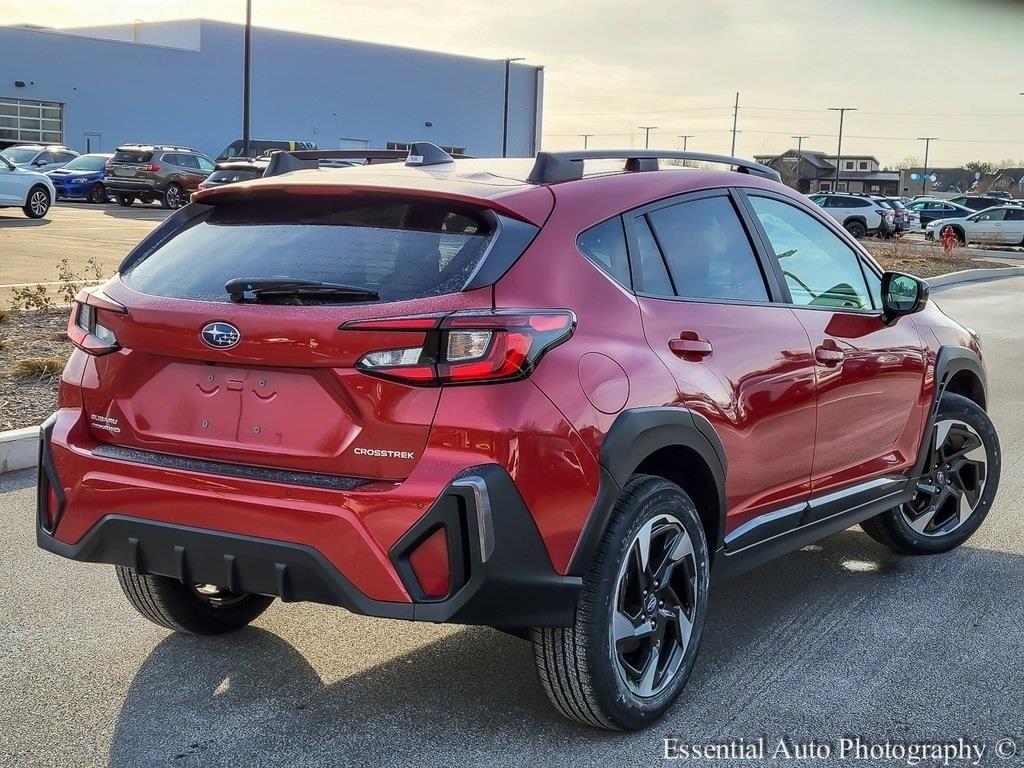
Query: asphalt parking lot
[
  {"x": 32, "y": 248},
  {"x": 839, "y": 639}
]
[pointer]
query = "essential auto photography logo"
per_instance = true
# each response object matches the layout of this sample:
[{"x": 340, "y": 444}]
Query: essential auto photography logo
[
  {"x": 220, "y": 335},
  {"x": 854, "y": 749}
]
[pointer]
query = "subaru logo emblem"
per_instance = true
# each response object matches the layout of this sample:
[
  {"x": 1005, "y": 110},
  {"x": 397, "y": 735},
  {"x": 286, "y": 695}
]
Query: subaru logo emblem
[{"x": 220, "y": 335}]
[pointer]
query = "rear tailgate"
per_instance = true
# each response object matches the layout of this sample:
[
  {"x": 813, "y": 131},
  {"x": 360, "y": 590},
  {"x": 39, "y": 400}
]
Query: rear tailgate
[{"x": 275, "y": 384}]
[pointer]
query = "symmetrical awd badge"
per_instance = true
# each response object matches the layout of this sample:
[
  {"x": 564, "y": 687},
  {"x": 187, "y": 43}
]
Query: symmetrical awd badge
[{"x": 220, "y": 335}]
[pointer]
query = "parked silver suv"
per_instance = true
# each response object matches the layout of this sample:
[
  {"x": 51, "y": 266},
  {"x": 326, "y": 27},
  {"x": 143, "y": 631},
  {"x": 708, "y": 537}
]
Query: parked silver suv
[{"x": 39, "y": 157}]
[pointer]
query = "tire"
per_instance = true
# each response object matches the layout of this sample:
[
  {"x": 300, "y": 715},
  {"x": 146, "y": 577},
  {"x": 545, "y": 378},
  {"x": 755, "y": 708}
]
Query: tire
[
  {"x": 173, "y": 197},
  {"x": 596, "y": 670},
  {"x": 125, "y": 200},
  {"x": 856, "y": 229},
  {"x": 953, "y": 498},
  {"x": 97, "y": 193},
  {"x": 37, "y": 203},
  {"x": 184, "y": 608}
]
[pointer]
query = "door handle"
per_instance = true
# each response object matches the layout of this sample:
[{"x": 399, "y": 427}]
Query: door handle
[
  {"x": 689, "y": 343},
  {"x": 828, "y": 356}
]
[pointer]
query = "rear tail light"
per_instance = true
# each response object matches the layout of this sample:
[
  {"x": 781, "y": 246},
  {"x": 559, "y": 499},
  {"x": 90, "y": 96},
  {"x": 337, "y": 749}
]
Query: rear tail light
[
  {"x": 474, "y": 347},
  {"x": 86, "y": 327},
  {"x": 150, "y": 167},
  {"x": 108, "y": 164}
]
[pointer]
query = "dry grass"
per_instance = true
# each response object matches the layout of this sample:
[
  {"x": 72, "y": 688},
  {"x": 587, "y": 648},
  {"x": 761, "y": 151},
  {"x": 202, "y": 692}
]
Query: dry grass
[
  {"x": 922, "y": 259},
  {"x": 38, "y": 366},
  {"x": 4, "y": 314}
]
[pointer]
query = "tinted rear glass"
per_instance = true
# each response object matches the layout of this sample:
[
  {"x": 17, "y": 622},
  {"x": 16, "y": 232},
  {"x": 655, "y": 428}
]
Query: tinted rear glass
[
  {"x": 401, "y": 250},
  {"x": 132, "y": 156},
  {"x": 228, "y": 177}
]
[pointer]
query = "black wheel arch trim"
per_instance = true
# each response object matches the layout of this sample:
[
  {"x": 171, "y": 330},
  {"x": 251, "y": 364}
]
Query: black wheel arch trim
[
  {"x": 635, "y": 435},
  {"x": 949, "y": 361}
]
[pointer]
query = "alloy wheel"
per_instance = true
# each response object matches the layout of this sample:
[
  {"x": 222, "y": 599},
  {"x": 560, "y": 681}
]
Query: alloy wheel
[
  {"x": 39, "y": 202},
  {"x": 949, "y": 494},
  {"x": 654, "y": 606},
  {"x": 173, "y": 196}
]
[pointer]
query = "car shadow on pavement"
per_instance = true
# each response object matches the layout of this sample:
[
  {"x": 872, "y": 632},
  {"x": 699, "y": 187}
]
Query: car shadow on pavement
[
  {"x": 136, "y": 213},
  {"x": 21, "y": 221},
  {"x": 779, "y": 642}
]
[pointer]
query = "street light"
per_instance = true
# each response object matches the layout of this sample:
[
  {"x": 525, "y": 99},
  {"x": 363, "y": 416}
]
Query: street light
[
  {"x": 504, "y": 125},
  {"x": 647, "y": 134},
  {"x": 685, "y": 137},
  {"x": 586, "y": 138},
  {"x": 839, "y": 150},
  {"x": 246, "y": 67},
  {"x": 924, "y": 178}
]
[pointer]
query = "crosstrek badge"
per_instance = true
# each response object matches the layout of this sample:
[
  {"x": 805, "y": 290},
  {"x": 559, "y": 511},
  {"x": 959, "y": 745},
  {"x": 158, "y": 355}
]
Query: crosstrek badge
[{"x": 382, "y": 453}]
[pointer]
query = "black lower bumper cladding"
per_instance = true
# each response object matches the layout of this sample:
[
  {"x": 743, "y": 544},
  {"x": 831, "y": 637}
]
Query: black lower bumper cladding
[{"x": 511, "y": 586}]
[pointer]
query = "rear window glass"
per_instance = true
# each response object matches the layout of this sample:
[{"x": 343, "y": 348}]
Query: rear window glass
[
  {"x": 228, "y": 177},
  {"x": 605, "y": 245},
  {"x": 132, "y": 156},
  {"x": 401, "y": 250}
]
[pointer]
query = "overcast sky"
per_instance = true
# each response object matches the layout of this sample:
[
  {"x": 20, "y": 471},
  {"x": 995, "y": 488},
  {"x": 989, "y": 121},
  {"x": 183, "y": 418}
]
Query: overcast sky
[{"x": 947, "y": 68}]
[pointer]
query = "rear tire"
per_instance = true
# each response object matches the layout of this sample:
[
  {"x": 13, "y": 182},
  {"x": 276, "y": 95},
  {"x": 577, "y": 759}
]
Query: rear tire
[
  {"x": 125, "y": 200},
  {"x": 97, "y": 193},
  {"x": 856, "y": 229},
  {"x": 629, "y": 652},
  {"x": 956, "y": 493},
  {"x": 185, "y": 608},
  {"x": 37, "y": 203}
]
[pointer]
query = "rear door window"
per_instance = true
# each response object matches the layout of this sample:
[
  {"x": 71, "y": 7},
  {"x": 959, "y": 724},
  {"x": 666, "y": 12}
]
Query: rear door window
[
  {"x": 401, "y": 250},
  {"x": 708, "y": 252}
]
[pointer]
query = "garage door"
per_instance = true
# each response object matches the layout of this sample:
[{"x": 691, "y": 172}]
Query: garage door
[{"x": 23, "y": 121}]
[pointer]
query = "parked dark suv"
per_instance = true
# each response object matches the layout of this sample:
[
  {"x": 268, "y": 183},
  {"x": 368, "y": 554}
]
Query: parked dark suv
[
  {"x": 511, "y": 393},
  {"x": 159, "y": 172}
]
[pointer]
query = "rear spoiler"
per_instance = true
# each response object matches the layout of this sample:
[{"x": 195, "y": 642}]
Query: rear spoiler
[{"x": 422, "y": 153}]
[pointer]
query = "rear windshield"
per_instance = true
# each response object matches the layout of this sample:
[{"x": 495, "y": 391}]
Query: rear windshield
[
  {"x": 229, "y": 177},
  {"x": 132, "y": 156},
  {"x": 401, "y": 250}
]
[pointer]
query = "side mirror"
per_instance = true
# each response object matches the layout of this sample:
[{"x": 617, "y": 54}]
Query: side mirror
[{"x": 902, "y": 294}]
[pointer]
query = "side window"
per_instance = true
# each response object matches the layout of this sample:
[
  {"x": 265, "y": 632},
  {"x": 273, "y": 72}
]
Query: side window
[
  {"x": 205, "y": 164},
  {"x": 605, "y": 245},
  {"x": 46, "y": 157},
  {"x": 996, "y": 215},
  {"x": 820, "y": 269},
  {"x": 188, "y": 161},
  {"x": 708, "y": 252},
  {"x": 1015, "y": 214},
  {"x": 653, "y": 274},
  {"x": 170, "y": 159}
]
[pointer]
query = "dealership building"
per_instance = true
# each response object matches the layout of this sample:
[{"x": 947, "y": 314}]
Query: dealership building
[{"x": 180, "y": 82}]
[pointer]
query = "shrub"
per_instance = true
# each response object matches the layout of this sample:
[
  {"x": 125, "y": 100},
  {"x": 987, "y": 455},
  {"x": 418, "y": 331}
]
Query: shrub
[{"x": 39, "y": 366}]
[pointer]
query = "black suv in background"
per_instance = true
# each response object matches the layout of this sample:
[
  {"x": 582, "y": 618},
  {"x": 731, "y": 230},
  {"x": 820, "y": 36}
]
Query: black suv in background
[
  {"x": 258, "y": 147},
  {"x": 980, "y": 202},
  {"x": 148, "y": 172}
]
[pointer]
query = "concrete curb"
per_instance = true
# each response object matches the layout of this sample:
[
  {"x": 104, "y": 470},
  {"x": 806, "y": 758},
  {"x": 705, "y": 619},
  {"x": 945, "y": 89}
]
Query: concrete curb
[
  {"x": 19, "y": 449},
  {"x": 973, "y": 275}
]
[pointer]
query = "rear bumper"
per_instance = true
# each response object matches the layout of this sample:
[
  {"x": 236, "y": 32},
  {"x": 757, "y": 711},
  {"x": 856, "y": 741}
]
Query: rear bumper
[
  {"x": 135, "y": 186},
  {"x": 500, "y": 573}
]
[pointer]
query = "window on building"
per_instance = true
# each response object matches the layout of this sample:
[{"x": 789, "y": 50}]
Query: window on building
[
  {"x": 849, "y": 165},
  {"x": 405, "y": 146},
  {"x": 843, "y": 187},
  {"x": 863, "y": 165},
  {"x": 23, "y": 121}
]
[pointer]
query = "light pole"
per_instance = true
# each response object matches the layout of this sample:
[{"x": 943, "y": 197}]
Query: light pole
[
  {"x": 504, "y": 124},
  {"x": 839, "y": 150},
  {"x": 246, "y": 68},
  {"x": 647, "y": 134},
  {"x": 586, "y": 138},
  {"x": 735, "y": 117},
  {"x": 799, "y": 157},
  {"x": 685, "y": 137},
  {"x": 927, "y": 143}
]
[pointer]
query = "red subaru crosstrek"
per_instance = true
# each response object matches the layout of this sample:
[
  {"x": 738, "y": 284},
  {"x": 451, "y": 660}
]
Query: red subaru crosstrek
[{"x": 553, "y": 399}]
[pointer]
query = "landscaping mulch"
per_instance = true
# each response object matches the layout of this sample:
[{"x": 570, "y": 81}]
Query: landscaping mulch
[
  {"x": 924, "y": 261},
  {"x": 31, "y": 344}
]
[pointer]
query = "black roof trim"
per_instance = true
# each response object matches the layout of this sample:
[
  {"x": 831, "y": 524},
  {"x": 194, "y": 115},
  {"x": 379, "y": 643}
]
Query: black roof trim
[
  {"x": 422, "y": 153},
  {"x": 556, "y": 167}
]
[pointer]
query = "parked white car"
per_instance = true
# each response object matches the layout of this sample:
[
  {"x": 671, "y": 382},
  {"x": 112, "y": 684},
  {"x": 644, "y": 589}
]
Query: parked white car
[
  {"x": 860, "y": 214},
  {"x": 20, "y": 188},
  {"x": 39, "y": 157},
  {"x": 1001, "y": 225}
]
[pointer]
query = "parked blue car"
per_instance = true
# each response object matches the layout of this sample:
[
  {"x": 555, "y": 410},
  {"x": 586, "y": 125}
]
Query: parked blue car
[{"x": 84, "y": 178}]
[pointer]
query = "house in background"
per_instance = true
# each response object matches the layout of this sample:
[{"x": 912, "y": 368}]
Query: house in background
[
  {"x": 809, "y": 171},
  {"x": 1008, "y": 180},
  {"x": 948, "y": 182}
]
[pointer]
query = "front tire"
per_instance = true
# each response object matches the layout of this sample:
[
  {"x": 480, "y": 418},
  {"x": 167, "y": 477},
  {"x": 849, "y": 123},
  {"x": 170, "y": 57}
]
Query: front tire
[
  {"x": 174, "y": 197},
  {"x": 956, "y": 492},
  {"x": 37, "y": 203},
  {"x": 961, "y": 239},
  {"x": 856, "y": 229},
  {"x": 640, "y": 614},
  {"x": 198, "y": 609}
]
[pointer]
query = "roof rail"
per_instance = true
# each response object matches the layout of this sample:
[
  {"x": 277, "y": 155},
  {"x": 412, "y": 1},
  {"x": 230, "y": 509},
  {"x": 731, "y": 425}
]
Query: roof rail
[
  {"x": 555, "y": 167},
  {"x": 420, "y": 154}
]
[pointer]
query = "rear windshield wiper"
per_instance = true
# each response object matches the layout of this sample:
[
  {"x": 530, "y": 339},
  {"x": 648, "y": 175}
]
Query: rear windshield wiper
[{"x": 256, "y": 289}]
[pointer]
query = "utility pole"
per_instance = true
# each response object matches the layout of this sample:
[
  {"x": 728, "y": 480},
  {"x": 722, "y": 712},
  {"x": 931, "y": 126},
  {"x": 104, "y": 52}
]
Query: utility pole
[
  {"x": 839, "y": 150},
  {"x": 504, "y": 124},
  {"x": 586, "y": 138},
  {"x": 799, "y": 157},
  {"x": 735, "y": 115},
  {"x": 647, "y": 134},
  {"x": 246, "y": 70},
  {"x": 685, "y": 137},
  {"x": 924, "y": 179}
]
